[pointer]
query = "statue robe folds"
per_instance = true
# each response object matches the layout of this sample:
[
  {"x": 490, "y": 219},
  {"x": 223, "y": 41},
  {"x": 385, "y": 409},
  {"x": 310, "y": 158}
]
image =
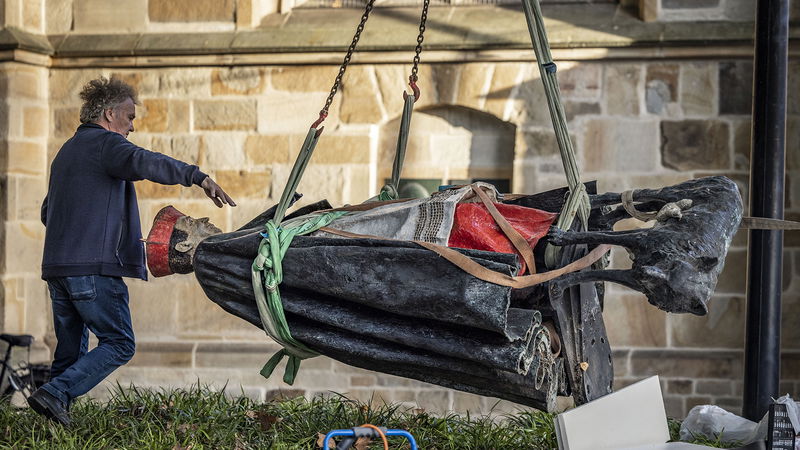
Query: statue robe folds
[{"x": 394, "y": 307}]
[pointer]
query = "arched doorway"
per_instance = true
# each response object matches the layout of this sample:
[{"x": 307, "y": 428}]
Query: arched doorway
[{"x": 449, "y": 145}]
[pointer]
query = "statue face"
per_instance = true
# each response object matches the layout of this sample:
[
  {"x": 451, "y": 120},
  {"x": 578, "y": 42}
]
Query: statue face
[{"x": 196, "y": 230}]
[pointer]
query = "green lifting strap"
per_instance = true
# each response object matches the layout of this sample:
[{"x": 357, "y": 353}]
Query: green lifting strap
[
  {"x": 267, "y": 270},
  {"x": 390, "y": 191},
  {"x": 578, "y": 200}
]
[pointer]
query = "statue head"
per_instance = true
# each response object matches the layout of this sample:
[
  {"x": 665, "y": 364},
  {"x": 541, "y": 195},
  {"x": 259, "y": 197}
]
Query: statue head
[{"x": 173, "y": 240}]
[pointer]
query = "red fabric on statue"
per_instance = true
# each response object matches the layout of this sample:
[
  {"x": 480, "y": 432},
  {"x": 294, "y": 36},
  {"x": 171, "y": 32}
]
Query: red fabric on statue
[{"x": 475, "y": 228}]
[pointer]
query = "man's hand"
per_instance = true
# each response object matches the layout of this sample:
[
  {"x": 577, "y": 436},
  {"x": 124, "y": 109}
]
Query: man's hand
[{"x": 215, "y": 193}]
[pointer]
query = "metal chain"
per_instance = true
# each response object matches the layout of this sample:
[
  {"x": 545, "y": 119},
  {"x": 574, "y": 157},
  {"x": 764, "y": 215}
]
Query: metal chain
[
  {"x": 420, "y": 38},
  {"x": 343, "y": 67}
]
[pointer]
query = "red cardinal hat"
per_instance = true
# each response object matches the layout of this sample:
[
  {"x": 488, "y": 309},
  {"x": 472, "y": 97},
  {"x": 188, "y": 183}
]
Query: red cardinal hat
[{"x": 157, "y": 242}]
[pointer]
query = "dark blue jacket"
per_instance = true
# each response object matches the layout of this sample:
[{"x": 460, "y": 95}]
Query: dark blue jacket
[{"x": 91, "y": 213}]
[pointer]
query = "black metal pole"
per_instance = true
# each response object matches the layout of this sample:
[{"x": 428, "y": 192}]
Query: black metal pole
[{"x": 763, "y": 334}]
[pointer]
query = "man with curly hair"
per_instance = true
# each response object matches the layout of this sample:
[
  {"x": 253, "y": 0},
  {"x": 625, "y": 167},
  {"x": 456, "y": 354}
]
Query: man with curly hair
[{"x": 93, "y": 239}]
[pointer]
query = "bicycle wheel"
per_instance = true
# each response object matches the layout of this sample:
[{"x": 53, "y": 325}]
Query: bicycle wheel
[{"x": 24, "y": 381}]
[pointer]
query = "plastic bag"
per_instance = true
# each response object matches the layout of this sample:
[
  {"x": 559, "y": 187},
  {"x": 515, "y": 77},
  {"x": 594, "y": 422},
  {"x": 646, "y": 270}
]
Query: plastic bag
[{"x": 711, "y": 421}]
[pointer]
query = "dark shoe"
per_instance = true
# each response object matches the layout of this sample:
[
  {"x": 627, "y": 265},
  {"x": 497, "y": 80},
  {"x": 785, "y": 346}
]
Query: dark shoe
[{"x": 45, "y": 404}]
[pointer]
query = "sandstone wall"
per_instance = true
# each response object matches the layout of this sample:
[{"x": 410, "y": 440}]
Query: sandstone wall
[{"x": 639, "y": 116}]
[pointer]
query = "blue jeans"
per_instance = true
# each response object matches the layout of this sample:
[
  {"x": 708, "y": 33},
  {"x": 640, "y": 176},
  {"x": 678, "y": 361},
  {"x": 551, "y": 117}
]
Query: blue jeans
[{"x": 81, "y": 304}]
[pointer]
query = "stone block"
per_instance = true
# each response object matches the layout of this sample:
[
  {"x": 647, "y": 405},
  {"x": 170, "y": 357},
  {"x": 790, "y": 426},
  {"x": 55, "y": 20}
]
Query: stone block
[
  {"x": 395, "y": 381},
  {"x": 246, "y": 209},
  {"x": 154, "y": 304},
  {"x": 791, "y": 239},
  {"x": 392, "y": 82},
  {"x": 793, "y": 143},
  {"x": 320, "y": 363},
  {"x": 573, "y": 110},
  {"x": 178, "y": 116},
  {"x": 32, "y": 16},
  {"x": 471, "y": 85},
  {"x": 290, "y": 112},
  {"x": 730, "y": 404},
  {"x": 319, "y": 181},
  {"x": 504, "y": 79},
  {"x": 269, "y": 149},
  {"x": 303, "y": 79},
  {"x": 645, "y": 326},
  {"x": 144, "y": 82},
  {"x": 234, "y": 354},
  {"x": 65, "y": 122},
  {"x": 464, "y": 402},
  {"x": 735, "y": 87},
  {"x": 362, "y": 380},
  {"x": 619, "y": 145},
  {"x": 35, "y": 122},
  {"x": 147, "y": 190},
  {"x": 241, "y": 184},
  {"x": 23, "y": 81},
  {"x": 674, "y": 406},
  {"x": 360, "y": 104},
  {"x": 686, "y": 363},
  {"x": 790, "y": 365},
  {"x": 445, "y": 78},
  {"x": 793, "y": 82},
  {"x": 529, "y": 105},
  {"x": 237, "y": 81},
  {"x": 190, "y": 149},
  {"x": 695, "y": 144},
  {"x": 58, "y": 16},
  {"x": 357, "y": 184},
  {"x": 163, "y": 354},
  {"x": 621, "y": 88},
  {"x": 715, "y": 388},
  {"x": 66, "y": 84},
  {"x": 342, "y": 149},
  {"x": 191, "y": 10},
  {"x": 732, "y": 280},
  {"x": 225, "y": 115},
  {"x": 661, "y": 87},
  {"x": 29, "y": 192},
  {"x": 698, "y": 88},
  {"x": 680, "y": 386},
  {"x": 723, "y": 327},
  {"x": 793, "y": 190},
  {"x": 38, "y": 317},
  {"x": 657, "y": 181},
  {"x": 790, "y": 314},
  {"x": 25, "y": 158},
  {"x": 621, "y": 362},
  {"x": 697, "y": 400},
  {"x": 101, "y": 16},
  {"x": 20, "y": 238},
  {"x": 620, "y": 383},
  {"x": 435, "y": 402},
  {"x": 580, "y": 81},
  {"x": 532, "y": 144},
  {"x": 224, "y": 151},
  {"x": 152, "y": 116},
  {"x": 202, "y": 317},
  {"x": 182, "y": 83},
  {"x": 742, "y": 145}
]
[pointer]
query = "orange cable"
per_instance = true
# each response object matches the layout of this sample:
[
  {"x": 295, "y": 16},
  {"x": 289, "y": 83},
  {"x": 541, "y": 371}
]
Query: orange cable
[{"x": 380, "y": 433}]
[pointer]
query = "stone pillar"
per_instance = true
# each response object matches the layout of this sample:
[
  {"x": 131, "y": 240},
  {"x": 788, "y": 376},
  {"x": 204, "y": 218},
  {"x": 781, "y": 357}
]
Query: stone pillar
[{"x": 24, "y": 125}]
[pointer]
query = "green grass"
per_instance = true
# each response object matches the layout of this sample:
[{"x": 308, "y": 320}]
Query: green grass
[{"x": 201, "y": 418}]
